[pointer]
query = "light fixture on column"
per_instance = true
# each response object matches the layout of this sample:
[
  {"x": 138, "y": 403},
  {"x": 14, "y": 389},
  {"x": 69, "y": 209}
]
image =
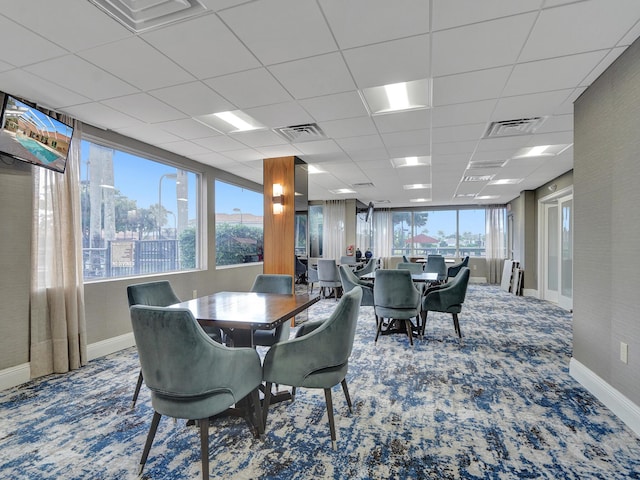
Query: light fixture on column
[{"x": 278, "y": 199}]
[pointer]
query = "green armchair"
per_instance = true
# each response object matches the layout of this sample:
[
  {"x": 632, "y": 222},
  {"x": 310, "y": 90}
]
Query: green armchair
[
  {"x": 453, "y": 270},
  {"x": 318, "y": 357},
  {"x": 272, "y": 283},
  {"x": 369, "y": 267},
  {"x": 350, "y": 281},
  {"x": 436, "y": 264},
  {"x": 396, "y": 298},
  {"x": 190, "y": 375},
  {"x": 328, "y": 277},
  {"x": 447, "y": 298},
  {"x": 158, "y": 294}
]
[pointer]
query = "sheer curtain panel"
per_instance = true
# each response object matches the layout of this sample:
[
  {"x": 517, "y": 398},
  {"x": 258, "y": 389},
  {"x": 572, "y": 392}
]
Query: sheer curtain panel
[
  {"x": 334, "y": 239},
  {"x": 495, "y": 243},
  {"x": 382, "y": 233},
  {"x": 57, "y": 321}
]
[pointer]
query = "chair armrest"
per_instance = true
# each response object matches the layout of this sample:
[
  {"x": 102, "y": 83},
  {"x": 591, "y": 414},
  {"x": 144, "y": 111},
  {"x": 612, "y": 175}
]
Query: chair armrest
[{"x": 308, "y": 327}]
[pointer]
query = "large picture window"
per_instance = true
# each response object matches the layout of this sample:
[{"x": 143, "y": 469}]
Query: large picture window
[
  {"x": 139, "y": 216},
  {"x": 239, "y": 224}
]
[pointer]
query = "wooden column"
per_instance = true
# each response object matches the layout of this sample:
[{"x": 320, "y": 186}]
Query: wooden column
[{"x": 279, "y": 236}]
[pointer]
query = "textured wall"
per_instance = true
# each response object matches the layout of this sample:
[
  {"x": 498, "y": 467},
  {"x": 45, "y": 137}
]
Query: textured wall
[{"x": 607, "y": 224}]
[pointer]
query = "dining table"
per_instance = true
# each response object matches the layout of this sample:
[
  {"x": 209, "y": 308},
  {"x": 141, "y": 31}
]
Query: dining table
[
  {"x": 239, "y": 314},
  {"x": 427, "y": 277}
]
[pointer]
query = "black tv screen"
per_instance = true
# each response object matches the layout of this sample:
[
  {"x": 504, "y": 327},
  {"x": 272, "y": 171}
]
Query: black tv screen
[{"x": 30, "y": 135}]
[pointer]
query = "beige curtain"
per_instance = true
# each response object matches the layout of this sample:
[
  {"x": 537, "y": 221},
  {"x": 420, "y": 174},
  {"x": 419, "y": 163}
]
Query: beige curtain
[
  {"x": 382, "y": 233},
  {"x": 58, "y": 332},
  {"x": 334, "y": 237},
  {"x": 495, "y": 244}
]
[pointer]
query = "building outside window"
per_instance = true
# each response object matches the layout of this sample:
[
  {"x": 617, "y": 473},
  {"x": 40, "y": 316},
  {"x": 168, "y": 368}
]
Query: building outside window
[
  {"x": 139, "y": 216},
  {"x": 239, "y": 224}
]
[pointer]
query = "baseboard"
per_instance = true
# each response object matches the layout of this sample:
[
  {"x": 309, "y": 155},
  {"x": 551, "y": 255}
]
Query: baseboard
[
  {"x": 621, "y": 406},
  {"x": 14, "y": 376},
  {"x": 477, "y": 280},
  {"x": 111, "y": 345},
  {"x": 530, "y": 292}
]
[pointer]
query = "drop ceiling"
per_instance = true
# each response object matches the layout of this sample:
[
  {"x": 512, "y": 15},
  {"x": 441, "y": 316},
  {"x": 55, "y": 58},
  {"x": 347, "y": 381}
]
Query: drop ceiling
[{"x": 310, "y": 62}]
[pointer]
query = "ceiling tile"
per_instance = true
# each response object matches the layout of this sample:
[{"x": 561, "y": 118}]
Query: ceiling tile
[
  {"x": 184, "y": 147},
  {"x": 193, "y": 98},
  {"x": 281, "y": 30},
  {"x": 109, "y": 118},
  {"x": 453, "y": 147},
  {"x": 319, "y": 147},
  {"x": 608, "y": 59},
  {"x": 461, "y": 114},
  {"x": 203, "y": 46},
  {"x": 335, "y": 107},
  {"x": 395, "y": 122},
  {"x": 580, "y": 27},
  {"x": 259, "y": 138},
  {"x": 389, "y": 62},
  {"x": 71, "y": 24},
  {"x": 71, "y": 72},
  {"x": 470, "y": 87},
  {"x": 350, "y": 127},
  {"x": 464, "y": 12},
  {"x": 220, "y": 143},
  {"x": 361, "y": 22},
  {"x": 526, "y": 106},
  {"x": 244, "y": 155},
  {"x": 280, "y": 115},
  {"x": 251, "y": 88},
  {"x": 488, "y": 44},
  {"x": 188, "y": 129},
  {"x": 33, "y": 48},
  {"x": 406, "y": 138},
  {"x": 551, "y": 74},
  {"x": 29, "y": 86},
  {"x": 364, "y": 142},
  {"x": 279, "y": 151},
  {"x": 137, "y": 63},
  {"x": 315, "y": 76},
  {"x": 556, "y": 123},
  {"x": 214, "y": 159},
  {"x": 458, "y": 133},
  {"x": 148, "y": 133},
  {"x": 144, "y": 107}
]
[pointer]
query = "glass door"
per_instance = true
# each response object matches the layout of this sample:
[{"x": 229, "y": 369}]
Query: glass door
[{"x": 565, "y": 299}]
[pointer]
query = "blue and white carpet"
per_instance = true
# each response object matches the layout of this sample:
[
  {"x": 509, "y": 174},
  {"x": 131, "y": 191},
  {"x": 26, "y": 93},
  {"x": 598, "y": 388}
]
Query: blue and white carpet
[{"x": 501, "y": 405}]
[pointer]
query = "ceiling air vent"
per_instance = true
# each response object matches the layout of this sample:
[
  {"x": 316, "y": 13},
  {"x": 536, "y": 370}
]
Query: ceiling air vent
[
  {"x": 509, "y": 128},
  {"x": 301, "y": 133},
  {"x": 484, "y": 165},
  {"x": 362, "y": 185}
]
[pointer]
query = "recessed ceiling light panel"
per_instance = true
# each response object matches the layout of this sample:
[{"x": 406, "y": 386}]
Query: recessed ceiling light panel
[
  {"x": 411, "y": 161},
  {"x": 416, "y": 186},
  {"x": 230, "y": 122},
  {"x": 542, "y": 151},
  {"x": 341, "y": 191},
  {"x": 506, "y": 181},
  {"x": 397, "y": 97}
]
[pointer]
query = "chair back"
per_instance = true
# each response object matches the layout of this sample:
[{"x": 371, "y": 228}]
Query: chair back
[
  {"x": 453, "y": 270},
  {"x": 460, "y": 283},
  {"x": 450, "y": 296},
  {"x": 301, "y": 268},
  {"x": 350, "y": 280},
  {"x": 412, "y": 267},
  {"x": 369, "y": 267},
  {"x": 436, "y": 264},
  {"x": 159, "y": 294},
  {"x": 328, "y": 271},
  {"x": 312, "y": 275},
  {"x": 273, "y": 283},
  {"x": 348, "y": 260},
  {"x": 395, "y": 289},
  {"x": 405, "y": 259}
]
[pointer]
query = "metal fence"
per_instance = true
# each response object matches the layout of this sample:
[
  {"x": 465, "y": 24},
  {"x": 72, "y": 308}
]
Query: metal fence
[{"x": 122, "y": 258}]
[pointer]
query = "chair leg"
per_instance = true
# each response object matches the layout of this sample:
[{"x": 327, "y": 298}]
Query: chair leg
[
  {"x": 265, "y": 403},
  {"x": 332, "y": 426},
  {"x": 409, "y": 328},
  {"x": 150, "y": 437},
  {"x": 423, "y": 314},
  {"x": 257, "y": 411},
  {"x": 293, "y": 394},
  {"x": 456, "y": 324},
  {"x": 345, "y": 389},
  {"x": 379, "y": 329},
  {"x": 204, "y": 447},
  {"x": 135, "y": 394}
]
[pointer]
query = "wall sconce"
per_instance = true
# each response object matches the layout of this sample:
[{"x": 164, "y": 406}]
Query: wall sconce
[{"x": 278, "y": 199}]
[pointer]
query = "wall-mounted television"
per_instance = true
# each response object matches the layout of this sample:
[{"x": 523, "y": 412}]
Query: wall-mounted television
[
  {"x": 30, "y": 135},
  {"x": 369, "y": 215}
]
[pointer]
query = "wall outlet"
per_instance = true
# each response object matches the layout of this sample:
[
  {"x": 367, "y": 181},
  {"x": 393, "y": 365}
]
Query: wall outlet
[
  {"x": 624, "y": 352},
  {"x": 195, "y": 294}
]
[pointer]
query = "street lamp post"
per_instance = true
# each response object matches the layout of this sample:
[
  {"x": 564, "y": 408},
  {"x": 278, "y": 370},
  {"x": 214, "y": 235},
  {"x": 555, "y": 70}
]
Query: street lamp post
[
  {"x": 240, "y": 211},
  {"x": 166, "y": 175}
]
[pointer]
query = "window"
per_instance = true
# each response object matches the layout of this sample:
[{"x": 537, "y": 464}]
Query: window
[
  {"x": 139, "y": 216},
  {"x": 458, "y": 232},
  {"x": 301, "y": 234},
  {"x": 239, "y": 224},
  {"x": 315, "y": 230}
]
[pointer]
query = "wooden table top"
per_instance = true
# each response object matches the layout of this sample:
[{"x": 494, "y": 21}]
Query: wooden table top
[
  {"x": 247, "y": 310},
  {"x": 416, "y": 277}
]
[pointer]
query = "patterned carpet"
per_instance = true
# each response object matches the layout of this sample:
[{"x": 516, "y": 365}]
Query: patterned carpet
[{"x": 501, "y": 405}]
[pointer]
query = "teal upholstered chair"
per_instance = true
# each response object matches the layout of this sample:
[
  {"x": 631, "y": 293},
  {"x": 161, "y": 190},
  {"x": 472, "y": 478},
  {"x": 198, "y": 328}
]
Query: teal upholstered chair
[
  {"x": 369, "y": 267},
  {"x": 411, "y": 266},
  {"x": 396, "y": 298},
  {"x": 350, "y": 281},
  {"x": 447, "y": 297},
  {"x": 158, "y": 294},
  {"x": 348, "y": 260},
  {"x": 453, "y": 270},
  {"x": 301, "y": 270},
  {"x": 318, "y": 357},
  {"x": 436, "y": 264},
  {"x": 191, "y": 376},
  {"x": 312, "y": 277},
  {"x": 272, "y": 283},
  {"x": 405, "y": 259},
  {"x": 329, "y": 277}
]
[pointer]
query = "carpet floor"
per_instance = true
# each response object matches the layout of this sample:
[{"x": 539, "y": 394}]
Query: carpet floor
[{"x": 498, "y": 405}]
